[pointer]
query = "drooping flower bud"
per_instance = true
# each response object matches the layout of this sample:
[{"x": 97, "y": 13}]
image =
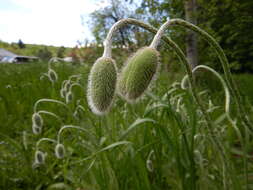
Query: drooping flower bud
[
  {"x": 69, "y": 97},
  {"x": 39, "y": 157},
  {"x": 102, "y": 85},
  {"x": 149, "y": 165},
  {"x": 36, "y": 129},
  {"x": 37, "y": 120},
  {"x": 52, "y": 75},
  {"x": 60, "y": 151},
  {"x": 63, "y": 92},
  {"x": 138, "y": 73},
  {"x": 67, "y": 85}
]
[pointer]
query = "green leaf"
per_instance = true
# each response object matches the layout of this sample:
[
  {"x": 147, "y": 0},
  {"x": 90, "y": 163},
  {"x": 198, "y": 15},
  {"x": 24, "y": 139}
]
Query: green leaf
[{"x": 136, "y": 124}]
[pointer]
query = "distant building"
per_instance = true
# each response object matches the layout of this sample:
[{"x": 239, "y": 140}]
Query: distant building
[
  {"x": 67, "y": 59},
  {"x": 9, "y": 57}
]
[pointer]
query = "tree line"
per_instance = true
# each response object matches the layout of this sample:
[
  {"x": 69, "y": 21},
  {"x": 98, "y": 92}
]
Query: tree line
[{"x": 228, "y": 21}]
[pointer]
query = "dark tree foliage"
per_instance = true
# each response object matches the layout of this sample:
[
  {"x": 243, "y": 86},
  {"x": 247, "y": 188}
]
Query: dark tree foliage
[
  {"x": 60, "y": 52},
  {"x": 44, "y": 54},
  {"x": 21, "y": 45},
  {"x": 229, "y": 21},
  {"x": 102, "y": 20}
]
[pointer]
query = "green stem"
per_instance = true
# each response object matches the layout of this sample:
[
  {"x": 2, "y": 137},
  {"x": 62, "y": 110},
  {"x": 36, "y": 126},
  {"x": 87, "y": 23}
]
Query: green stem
[
  {"x": 227, "y": 110},
  {"x": 47, "y": 100},
  {"x": 182, "y": 58},
  {"x": 223, "y": 59},
  {"x": 210, "y": 125}
]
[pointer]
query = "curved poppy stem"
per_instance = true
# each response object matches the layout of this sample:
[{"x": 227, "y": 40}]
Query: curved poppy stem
[{"x": 222, "y": 57}]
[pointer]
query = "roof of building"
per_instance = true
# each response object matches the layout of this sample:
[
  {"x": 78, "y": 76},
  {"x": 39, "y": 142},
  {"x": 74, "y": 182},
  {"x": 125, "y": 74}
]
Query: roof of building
[{"x": 6, "y": 53}]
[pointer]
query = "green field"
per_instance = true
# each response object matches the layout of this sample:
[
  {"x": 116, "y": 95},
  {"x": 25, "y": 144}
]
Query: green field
[{"x": 161, "y": 142}]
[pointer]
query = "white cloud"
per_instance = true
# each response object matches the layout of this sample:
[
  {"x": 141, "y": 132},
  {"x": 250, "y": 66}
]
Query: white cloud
[{"x": 52, "y": 22}]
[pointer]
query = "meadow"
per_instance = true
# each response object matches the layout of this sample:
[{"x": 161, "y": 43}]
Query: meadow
[{"x": 161, "y": 142}]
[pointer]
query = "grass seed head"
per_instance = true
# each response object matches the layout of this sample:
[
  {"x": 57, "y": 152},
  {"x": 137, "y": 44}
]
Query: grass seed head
[
  {"x": 37, "y": 120},
  {"x": 60, "y": 151},
  {"x": 102, "y": 85},
  {"x": 138, "y": 73},
  {"x": 39, "y": 157}
]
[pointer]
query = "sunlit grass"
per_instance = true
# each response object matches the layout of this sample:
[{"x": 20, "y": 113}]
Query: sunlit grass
[{"x": 161, "y": 142}]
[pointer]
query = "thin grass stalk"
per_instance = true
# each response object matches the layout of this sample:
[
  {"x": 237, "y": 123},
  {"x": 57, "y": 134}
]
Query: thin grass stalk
[
  {"x": 227, "y": 72},
  {"x": 225, "y": 64},
  {"x": 227, "y": 111}
]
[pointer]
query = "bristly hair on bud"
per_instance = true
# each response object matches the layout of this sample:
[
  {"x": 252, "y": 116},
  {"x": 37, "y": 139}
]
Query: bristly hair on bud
[
  {"x": 39, "y": 157},
  {"x": 59, "y": 151},
  {"x": 102, "y": 85},
  {"x": 52, "y": 75},
  {"x": 137, "y": 75},
  {"x": 37, "y": 120}
]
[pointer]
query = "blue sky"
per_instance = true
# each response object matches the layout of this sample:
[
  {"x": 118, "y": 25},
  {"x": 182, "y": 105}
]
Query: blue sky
[{"x": 50, "y": 22}]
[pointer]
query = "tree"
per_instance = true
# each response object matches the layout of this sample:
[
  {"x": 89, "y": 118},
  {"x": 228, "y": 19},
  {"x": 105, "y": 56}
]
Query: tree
[
  {"x": 21, "y": 45},
  {"x": 229, "y": 21},
  {"x": 103, "y": 19},
  {"x": 177, "y": 9},
  {"x": 44, "y": 54},
  {"x": 60, "y": 52},
  {"x": 190, "y": 7}
]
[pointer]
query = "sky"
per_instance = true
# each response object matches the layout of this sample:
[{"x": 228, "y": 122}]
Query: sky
[{"x": 48, "y": 22}]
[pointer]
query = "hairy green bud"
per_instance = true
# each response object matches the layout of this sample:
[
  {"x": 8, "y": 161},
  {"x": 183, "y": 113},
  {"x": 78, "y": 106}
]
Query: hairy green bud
[
  {"x": 52, "y": 75},
  {"x": 36, "y": 129},
  {"x": 67, "y": 85},
  {"x": 102, "y": 85},
  {"x": 60, "y": 151},
  {"x": 63, "y": 92},
  {"x": 69, "y": 97},
  {"x": 138, "y": 73},
  {"x": 37, "y": 120},
  {"x": 39, "y": 157}
]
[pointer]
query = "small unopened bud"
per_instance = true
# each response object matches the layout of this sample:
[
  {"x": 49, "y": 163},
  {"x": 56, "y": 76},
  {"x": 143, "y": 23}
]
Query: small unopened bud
[
  {"x": 37, "y": 120},
  {"x": 67, "y": 86},
  {"x": 39, "y": 157},
  {"x": 52, "y": 75},
  {"x": 63, "y": 92},
  {"x": 69, "y": 97},
  {"x": 59, "y": 151},
  {"x": 102, "y": 85},
  {"x": 138, "y": 73},
  {"x": 36, "y": 129},
  {"x": 149, "y": 165}
]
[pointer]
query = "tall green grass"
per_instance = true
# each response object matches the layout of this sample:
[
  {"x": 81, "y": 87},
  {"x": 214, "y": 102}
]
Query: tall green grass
[{"x": 161, "y": 142}]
